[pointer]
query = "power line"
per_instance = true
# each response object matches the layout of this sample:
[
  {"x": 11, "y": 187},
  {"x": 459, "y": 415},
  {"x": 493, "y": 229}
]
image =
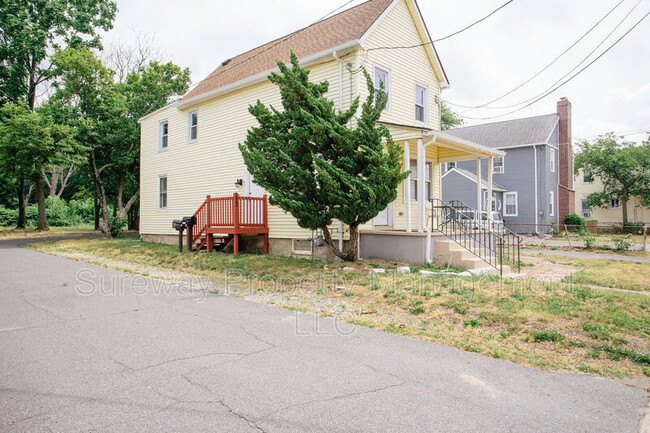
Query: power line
[
  {"x": 335, "y": 10},
  {"x": 445, "y": 37},
  {"x": 566, "y": 81},
  {"x": 623, "y": 133},
  {"x": 472, "y": 107}
]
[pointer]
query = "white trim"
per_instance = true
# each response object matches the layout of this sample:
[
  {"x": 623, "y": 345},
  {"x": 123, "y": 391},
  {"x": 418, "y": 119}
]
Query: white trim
[
  {"x": 263, "y": 76},
  {"x": 536, "y": 189},
  {"x": 407, "y": 184},
  {"x": 171, "y": 104},
  {"x": 160, "y": 135},
  {"x": 548, "y": 139},
  {"x": 425, "y": 103},
  {"x": 387, "y": 87},
  {"x": 189, "y": 125},
  {"x": 453, "y": 142},
  {"x": 505, "y": 203},
  {"x": 160, "y": 177},
  {"x": 483, "y": 186}
]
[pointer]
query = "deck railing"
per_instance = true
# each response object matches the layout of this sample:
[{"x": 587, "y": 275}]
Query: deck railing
[
  {"x": 234, "y": 212},
  {"x": 474, "y": 231}
]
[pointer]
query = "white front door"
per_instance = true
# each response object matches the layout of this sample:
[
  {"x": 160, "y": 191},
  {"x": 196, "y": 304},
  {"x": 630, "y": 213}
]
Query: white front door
[
  {"x": 384, "y": 218},
  {"x": 250, "y": 187}
]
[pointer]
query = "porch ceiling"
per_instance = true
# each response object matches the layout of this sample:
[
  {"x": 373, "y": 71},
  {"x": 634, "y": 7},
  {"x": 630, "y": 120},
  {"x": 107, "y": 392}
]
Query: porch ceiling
[{"x": 456, "y": 149}]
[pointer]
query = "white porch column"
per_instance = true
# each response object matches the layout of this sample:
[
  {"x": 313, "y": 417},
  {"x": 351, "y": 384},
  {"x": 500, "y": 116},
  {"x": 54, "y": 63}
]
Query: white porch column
[
  {"x": 420, "y": 186},
  {"x": 478, "y": 188},
  {"x": 489, "y": 191},
  {"x": 407, "y": 185}
]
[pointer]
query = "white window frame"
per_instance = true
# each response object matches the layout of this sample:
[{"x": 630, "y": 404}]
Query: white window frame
[
  {"x": 551, "y": 203},
  {"x": 505, "y": 203},
  {"x": 553, "y": 155},
  {"x": 583, "y": 206},
  {"x": 162, "y": 136},
  {"x": 425, "y": 102},
  {"x": 379, "y": 68},
  {"x": 189, "y": 125},
  {"x": 614, "y": 203},
  {"x": 160, "y": 192},
  {"x": 428, "y": 184},
  {"x": 503, "y": 165}
]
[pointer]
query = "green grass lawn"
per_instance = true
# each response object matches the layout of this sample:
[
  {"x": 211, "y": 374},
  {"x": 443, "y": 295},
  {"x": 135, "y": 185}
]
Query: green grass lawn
[
  {"x": 31, "y": 232},
  {"x": 551, "y": 326}
]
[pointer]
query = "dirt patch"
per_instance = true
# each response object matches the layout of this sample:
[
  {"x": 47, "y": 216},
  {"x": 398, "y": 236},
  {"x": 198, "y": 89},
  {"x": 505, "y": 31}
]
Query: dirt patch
[{"x": 542, "y": 269}]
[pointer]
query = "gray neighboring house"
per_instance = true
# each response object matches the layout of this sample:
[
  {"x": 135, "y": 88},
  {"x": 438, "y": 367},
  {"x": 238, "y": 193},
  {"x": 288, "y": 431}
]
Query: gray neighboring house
[
  {"x": 529, "y": 194},
  {"x": 460, "y": 184}
]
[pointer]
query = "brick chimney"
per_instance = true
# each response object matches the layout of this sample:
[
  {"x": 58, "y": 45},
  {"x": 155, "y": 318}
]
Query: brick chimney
[{"x": 566, "y": 193}]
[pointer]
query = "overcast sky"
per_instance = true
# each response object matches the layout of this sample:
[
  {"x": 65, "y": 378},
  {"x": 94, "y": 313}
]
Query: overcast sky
[{"x": 482, "y": 63}]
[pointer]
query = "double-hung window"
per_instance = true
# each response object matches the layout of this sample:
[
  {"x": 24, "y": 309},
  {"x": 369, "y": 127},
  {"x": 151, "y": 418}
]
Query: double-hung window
[
  {"x": 512, "y": 204},
  {"x": 421, "y": 104},
  {"x": 163, "y": 133},
  {"x": 552, "y": 160},
  {"x": 193, "y": 125},
  {"x": 498, "y": 165},
  {"x": 162, "y": 192},
  {"x": 586, "y": 210},
  {"x": 382, "y": 81},
  {"x": 551, "y": 203},
  {"x": 414, "y": 180}
]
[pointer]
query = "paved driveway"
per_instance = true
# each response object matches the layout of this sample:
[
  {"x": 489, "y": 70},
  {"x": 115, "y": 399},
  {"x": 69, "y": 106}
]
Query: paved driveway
[{"x": 83, "y": 348}]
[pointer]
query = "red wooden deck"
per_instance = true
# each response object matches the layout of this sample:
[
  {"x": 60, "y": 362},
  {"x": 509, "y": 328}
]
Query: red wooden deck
[{"x": 230, "y": 216}]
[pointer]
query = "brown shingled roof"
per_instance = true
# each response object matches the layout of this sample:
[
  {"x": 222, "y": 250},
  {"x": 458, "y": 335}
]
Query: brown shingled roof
[{"x": 334, "y": 31}]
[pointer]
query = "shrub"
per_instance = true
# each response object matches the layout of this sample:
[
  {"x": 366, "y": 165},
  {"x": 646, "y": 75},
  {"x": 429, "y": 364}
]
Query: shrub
[
  {"x": 627, "y": 228},
  {"x": 621, "y": 243},
  {"x": 546, "y": 336},
  {"x": 116, "y": 226},
  {"x": 574, "y": 221},
  {"x": 8, "y": 217}
]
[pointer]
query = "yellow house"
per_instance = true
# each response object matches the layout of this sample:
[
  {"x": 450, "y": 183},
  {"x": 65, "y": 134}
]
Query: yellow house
[
  {"x": 613, "y": 213},
  {"x": 189, "y": 149}
]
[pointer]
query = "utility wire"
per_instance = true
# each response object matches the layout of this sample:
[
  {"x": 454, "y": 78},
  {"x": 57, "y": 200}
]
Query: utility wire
[
  {"x": 472, "y": 107},
  {"x": 623, "y": 133},
  {"x": 569, "y": 79},
  {"x": 445, "y": 37}
]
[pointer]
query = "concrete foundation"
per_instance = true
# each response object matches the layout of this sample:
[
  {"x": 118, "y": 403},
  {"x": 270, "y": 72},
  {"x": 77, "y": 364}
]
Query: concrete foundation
[{"x": 395, "y": 246}]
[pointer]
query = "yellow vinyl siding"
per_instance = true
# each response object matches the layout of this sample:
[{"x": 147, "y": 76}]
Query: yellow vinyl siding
[{"x": 407, "y": 67}]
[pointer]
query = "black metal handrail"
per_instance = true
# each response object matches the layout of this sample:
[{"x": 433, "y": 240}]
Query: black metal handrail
[{"x": 489, "y": 240}]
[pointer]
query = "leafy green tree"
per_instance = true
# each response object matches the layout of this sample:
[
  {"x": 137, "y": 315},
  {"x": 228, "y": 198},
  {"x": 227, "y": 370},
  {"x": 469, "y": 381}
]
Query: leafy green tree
[
  {"x": 622, "y": 167},
  {"x": 314, "y": 165},
  {"x": 448, "y": 118},
  {"x": 33, "y": 139}
]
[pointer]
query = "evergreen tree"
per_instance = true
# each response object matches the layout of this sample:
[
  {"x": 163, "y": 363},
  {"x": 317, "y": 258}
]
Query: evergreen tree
[{"x": 314, "y": 165}]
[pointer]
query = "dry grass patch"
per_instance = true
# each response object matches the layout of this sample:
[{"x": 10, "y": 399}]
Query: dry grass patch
[{"x": 547, "y": 325}]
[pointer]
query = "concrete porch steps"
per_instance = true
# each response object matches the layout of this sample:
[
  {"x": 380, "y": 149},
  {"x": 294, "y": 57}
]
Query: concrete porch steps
[{"x": 448, "y": 251}]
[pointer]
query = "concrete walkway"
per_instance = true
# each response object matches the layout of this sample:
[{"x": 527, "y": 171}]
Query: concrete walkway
[
  {"x": 84, "y": 348},
  {"x": 586, "y": 255}
]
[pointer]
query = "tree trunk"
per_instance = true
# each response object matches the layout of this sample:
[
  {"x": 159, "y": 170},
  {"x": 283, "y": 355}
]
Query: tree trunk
[
  {"x": 350, "y": 250},
  {"x": 101, "y": 196},
  {"x": 624, "y": 204},
  {"x": 124, "y": 210},
  {"x": 40, "y": 199},
  {"x": 22, "y": 218},
  {"x": 96, "y": 208}
]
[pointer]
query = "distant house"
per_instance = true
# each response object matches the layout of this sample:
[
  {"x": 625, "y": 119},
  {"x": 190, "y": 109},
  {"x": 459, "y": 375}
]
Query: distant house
[
  {"x": 460, "y": 184},
  {"x": 535, "y": 173},
  {"x": 586, "y": 184},
  {"x": 189, "y": 149}
]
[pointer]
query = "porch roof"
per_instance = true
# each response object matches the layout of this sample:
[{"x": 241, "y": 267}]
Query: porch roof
[{"x": 458, "y": 149}]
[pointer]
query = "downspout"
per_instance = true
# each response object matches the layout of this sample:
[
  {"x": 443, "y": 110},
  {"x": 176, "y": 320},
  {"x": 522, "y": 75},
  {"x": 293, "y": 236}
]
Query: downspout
[
  {"x": 536, "y": 198},
  {"x": 340, "y": 109},
  {"x": 427, "y": 244}
]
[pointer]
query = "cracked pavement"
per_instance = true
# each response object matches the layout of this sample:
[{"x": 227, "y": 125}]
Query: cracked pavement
[{"x": 128, "y": 357}]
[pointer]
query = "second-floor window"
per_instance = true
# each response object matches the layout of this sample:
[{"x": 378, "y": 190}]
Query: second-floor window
[
  {"x": 552, "y": 160},
  {"x": 420, "y": 104},
  {"x": 164, "y": 135},
  {"x": 498, "y": 166},
  {"x": 382, "y": 80},
  {"x": 193, "y": 125}
]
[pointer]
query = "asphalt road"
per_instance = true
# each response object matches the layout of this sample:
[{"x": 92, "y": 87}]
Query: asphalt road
[{"x": 83, "y": 348}]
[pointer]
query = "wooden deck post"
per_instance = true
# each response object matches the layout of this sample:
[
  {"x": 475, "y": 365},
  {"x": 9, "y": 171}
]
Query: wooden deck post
[
  {"x": 235, "y": 218},
  {"x": 210, "y": 236},
  {"x": 265, "y": 221}
]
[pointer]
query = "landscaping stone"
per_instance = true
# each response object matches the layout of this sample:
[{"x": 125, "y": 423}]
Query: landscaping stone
[
  {"x": 378, "y": 271},
  {"x": 348, "y": 269},
  {"x": 427, "y": 273},
  {"x": 403, "y": 270}
]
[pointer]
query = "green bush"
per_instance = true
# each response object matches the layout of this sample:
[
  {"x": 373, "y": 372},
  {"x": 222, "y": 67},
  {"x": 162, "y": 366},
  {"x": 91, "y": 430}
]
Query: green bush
[
  {"x": 8, "y": 217},
  {"x": 59, "y": 213},
  {"x": 628, "y": 228},
  {"x": 116, "y": 225},
  {"x": 574, "y": 221}
]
